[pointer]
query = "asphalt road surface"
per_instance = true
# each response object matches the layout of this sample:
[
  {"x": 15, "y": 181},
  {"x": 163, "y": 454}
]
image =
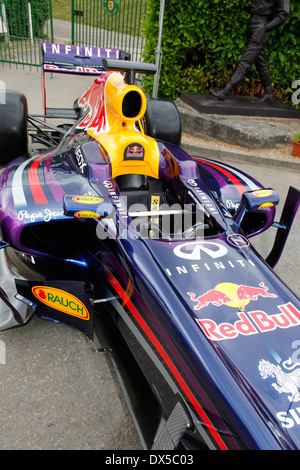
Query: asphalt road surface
[{"x": 58, "y": 393}]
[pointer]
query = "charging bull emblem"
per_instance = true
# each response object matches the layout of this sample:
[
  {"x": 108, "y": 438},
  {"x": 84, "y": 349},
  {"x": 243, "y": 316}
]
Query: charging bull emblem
[
  {"x": 134, "y": 152},
  {"x": 213, "y": 296},
  {"x": 231, "y": 295}
]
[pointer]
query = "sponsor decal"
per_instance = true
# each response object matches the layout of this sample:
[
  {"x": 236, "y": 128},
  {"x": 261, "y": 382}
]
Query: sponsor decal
[
  {"x": 155, "y": 203},
  {"x": 87, "y": 215},
  {"x": 46, "y": 215},
  {"x": 194, "y": 250},
  {"x": 75, "y": 69},
  {"x": 287, "y": 379},
  {"x": 251, "y": 323},
  {"x": 117, "y": 201},
  {"x": 202, "y": 199},
  {"x": 231, "y": 295},
  {"x": 85, "y": 51},
  {"x": 237, "y": 240},
  {"x": 155, "y": 200},
  {"x": 267, "y": 204},
  {"x": 134, "y": 152},
  {"x": 230, "y": 205},
  {"x": 80, "y": 161},
  {"x": 61, "y": 300},
  {"x": 211, "y": 256},
  {"x": 284, "y": 378},
  {"x": 212, "y": 266},
  {"x": 87, "y": 199},
  {"x": 115, "y": 198},
  {"x": 262, "y": 193}
]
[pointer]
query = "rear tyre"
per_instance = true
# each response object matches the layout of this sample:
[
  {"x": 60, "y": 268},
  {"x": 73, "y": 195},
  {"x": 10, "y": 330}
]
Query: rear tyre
[
  {"x": 13, "y": 128},
  {"x": 162, "y": 121}
]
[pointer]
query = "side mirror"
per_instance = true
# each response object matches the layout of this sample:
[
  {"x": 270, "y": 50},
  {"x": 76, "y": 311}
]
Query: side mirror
[
  {"x": 255, "y": 201},
  {"x": 88, "y": 207}
]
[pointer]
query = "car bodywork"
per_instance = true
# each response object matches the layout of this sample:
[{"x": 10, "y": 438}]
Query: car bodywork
[{"x": 117, "y": 230}]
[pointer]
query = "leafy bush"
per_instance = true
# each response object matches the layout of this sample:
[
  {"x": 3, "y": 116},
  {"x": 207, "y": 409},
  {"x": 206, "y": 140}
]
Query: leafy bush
[
  {"x": 18, "y": 19},
  {"x": 203, "y": 41}
]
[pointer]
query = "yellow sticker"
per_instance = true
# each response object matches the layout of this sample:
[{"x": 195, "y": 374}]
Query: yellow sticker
[
  {"x": 62, "y": 301},
  {"x": 88, "y": 199},
  {"x": 87, "y": 215},
  {"x": 267, "y": 204},
  {"x": 155, "y": 201},
  {"x": 263, "y": 193}
]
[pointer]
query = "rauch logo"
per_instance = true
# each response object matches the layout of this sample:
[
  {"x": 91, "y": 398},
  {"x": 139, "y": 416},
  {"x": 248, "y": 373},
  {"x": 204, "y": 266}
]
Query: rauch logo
[{"x": 61, "y": 300}]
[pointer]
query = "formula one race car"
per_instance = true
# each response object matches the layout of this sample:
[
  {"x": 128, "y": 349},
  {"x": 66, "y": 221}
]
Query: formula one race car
[{"x": 114, "y": 228}]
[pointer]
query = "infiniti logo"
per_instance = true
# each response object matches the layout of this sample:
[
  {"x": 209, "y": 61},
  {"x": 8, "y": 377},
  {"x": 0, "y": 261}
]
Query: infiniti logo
[{"x": 193, "y": 250}]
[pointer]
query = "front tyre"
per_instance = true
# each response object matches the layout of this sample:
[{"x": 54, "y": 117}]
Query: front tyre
[{"x": 13, "y": 127}]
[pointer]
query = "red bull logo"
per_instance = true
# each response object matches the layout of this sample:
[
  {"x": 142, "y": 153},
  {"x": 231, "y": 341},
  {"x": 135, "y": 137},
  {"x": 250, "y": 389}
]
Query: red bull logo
[
  {"x": 252, "y": 293},
  {"x": 134, "y": 152},
  {"x": 248, "y": 323},
  {"x": 213, "y": 296},
  {"x": 251, "y": 323},
  {"x": 231, "y": 295}
]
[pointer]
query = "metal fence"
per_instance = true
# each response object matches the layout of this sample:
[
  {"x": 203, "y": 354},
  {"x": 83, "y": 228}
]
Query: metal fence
[
  {"x": 115, "y": 24},
  {"x": 23, "y": 25}
]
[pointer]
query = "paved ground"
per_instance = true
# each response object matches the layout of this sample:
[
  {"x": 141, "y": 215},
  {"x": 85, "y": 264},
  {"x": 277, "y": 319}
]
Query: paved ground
[{"x": 57, "y": 392}]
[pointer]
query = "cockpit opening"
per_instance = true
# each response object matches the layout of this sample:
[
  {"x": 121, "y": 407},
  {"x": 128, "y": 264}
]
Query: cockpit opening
[{"x": 158, "y": 212}]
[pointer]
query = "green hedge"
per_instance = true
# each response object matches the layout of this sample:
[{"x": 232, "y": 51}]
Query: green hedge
[
  {"x": 203, "y": 41},
  {"x": 18, "y": 19}
]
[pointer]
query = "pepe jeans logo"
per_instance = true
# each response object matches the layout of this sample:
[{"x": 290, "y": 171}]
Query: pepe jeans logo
[
  {"x": 45, "y": 215},
  {"x": 62, "y": 301}
]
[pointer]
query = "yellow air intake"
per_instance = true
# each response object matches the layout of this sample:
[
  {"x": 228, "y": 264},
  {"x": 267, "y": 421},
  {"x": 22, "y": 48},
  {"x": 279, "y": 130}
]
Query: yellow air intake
[
  {"x": 130, "y": 151},
  {"x": 124, "y": 102}
]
